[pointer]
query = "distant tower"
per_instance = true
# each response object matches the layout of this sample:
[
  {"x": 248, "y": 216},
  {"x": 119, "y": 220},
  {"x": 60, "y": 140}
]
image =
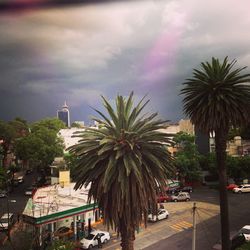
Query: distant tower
[{"x": 63, "y": 114}]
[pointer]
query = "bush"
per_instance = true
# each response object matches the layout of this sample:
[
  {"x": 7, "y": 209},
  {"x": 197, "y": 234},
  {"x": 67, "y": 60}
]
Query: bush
[{"x": 245, "y": 246}]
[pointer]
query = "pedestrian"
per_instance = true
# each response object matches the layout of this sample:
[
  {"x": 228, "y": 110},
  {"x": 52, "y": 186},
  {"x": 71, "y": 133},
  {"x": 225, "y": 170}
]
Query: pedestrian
[
  {"x": 98, "y": 237},
  {"x": 161, "y": 206}
]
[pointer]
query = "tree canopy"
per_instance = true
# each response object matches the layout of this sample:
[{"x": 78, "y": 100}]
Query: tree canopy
[
  {"x": 125, "y": 161},
  {"x": 187, "y": 157}
]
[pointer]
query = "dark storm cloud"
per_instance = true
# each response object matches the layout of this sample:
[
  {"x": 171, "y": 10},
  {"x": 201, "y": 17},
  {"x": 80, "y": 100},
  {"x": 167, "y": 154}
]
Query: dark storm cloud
[{"x": 78, "y": 53}]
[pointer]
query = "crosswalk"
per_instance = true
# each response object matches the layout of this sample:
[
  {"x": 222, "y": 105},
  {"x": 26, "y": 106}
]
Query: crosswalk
[{"x": 180, "y": 226}]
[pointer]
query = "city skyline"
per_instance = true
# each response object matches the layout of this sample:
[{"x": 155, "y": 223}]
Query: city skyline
[{"x": 80, "y": 52}]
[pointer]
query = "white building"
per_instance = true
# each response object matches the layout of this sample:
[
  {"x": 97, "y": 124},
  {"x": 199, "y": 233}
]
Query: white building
[
  {"x": 54, "y": 206},
  {"x": 69, "y": 137}
]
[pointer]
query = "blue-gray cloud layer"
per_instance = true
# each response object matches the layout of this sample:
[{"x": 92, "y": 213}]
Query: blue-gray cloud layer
[{"x": 79, "y": 53}]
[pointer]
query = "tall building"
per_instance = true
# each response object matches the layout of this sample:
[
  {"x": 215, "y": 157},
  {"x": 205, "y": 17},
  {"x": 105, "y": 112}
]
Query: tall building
[{"x": 63, "y": 114}]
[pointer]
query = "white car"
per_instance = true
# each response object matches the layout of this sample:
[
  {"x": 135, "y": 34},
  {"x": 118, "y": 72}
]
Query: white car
[
  {"x": 91, "y": 240},
  {"x": 161, "y": 214},
  {"x": 182, "y": 196},
  {"x": 5, "y": 220},
  {"x": 242, "y": 189},
  {"x": 246, "y": 232}
]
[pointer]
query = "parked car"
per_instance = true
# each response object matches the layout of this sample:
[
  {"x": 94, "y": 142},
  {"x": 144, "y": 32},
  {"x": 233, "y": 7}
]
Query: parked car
[
  {"x": 161, "y": 214},
  {"x": 62, "y": 232},
  {"x": 242, "y": 236},
  {"x": 187, "y": 189},
  {"x": 182, "y": 196},
  {"x": 29, "y": 191},
  {"x": 5, "y": 219},
  {"x": 91, "y": 240},
  {"x": 242, "y": 189},
  {"x": 246, "y": 232},
  {"x": 29, "y": 171},
  {"x": 3, "y": 193},
  {"x": 237, "y": 241},
  {"x": 40, "y": 181},
  {"x": 163, "y": 198},
  {"x": 172, "y": 190},
  {"x": 231, "y": 186}
]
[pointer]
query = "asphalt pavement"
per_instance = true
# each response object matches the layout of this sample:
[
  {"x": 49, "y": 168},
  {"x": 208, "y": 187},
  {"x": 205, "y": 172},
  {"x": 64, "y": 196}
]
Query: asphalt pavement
[
  {"x": 175, "y": 233},
  {"x": 16, "y": 200}
]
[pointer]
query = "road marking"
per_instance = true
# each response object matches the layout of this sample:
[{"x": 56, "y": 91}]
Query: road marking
[{"x": 181, "y": 226}]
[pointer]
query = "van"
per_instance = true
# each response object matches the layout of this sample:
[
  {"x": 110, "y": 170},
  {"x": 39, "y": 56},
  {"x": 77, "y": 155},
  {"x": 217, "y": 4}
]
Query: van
[{"x": 4, "y": 221}]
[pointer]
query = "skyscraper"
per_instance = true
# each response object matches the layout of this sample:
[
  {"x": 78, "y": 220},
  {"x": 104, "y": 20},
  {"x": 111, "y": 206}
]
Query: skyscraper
[{"x": 63, "y": 114}]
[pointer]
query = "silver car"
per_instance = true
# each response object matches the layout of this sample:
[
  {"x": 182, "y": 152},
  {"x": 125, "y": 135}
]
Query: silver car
[
  {"x": 242, "y": 189},
  {"x": 182, "y": 196}
]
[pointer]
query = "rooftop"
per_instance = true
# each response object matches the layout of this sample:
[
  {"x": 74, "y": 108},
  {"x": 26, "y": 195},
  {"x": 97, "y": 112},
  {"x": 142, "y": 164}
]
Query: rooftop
[{"x": 57, "y": 202}]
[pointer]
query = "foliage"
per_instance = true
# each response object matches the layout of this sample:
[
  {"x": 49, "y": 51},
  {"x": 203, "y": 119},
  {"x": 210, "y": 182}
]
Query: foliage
[
  {"x": 124, "y": 161},
  {"x": 245, "y": 246},
  {"x": 217, "y": 98},
  {"x": 211, "y": 92},
  {"x": 71, "y": 160},
  {"x": 187, "y": 157},
  {"x": 233, "y": 132},
  {"x": 42, "y": 145},
  {"x": 237, "y": 167},
  {"x": 52, "y": 124},
  {"x": 76, "y": 125},
  {"x": 244, "y": 132},
  {"x": 7, "y": 134},
  {"x": 2, "y": 177},
  {"x": 61, "y": 245}
]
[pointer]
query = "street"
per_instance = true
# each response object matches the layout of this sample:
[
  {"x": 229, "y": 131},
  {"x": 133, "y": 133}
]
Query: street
[
  {"x": 17, "y": 199},
  {"x": 208, "y": 231},
  {"x": 175, "y": 233}
]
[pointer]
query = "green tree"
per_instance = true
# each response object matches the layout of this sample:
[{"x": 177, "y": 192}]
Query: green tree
[
  {"x": 76, "y": 125},
  {"x": 3, "y": 178},
  {"x": 52, "y": 146},
  {"x": 50, "y": 123},
  {"x": 61, "y": 245},
  {"x": 124, "y": 161},
  {"x": 7, "y": 135},
  {"x": 187, "y": 157},
  {"x": 28, "y": 149},
  {"x": 71, "y": 160},
  {"x": 216, "y": 98},
  {"x": 42, "y": 145}
]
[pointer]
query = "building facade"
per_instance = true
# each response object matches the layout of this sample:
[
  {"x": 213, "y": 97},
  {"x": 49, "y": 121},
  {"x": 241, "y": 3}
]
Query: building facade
[{"x": 64, "y": 115}]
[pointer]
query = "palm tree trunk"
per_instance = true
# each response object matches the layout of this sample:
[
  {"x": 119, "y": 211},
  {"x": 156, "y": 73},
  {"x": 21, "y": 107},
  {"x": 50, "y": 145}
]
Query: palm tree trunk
[
  {"x": 220, "y": 144},
  {"x": 127, "y": 236}
]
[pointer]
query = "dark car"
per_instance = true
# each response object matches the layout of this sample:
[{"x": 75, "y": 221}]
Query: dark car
[
  {"x": 29, "y": 191},
  {"x": 28, "y": 171},
  {"x": 40, "y": 181},
  {"x": 3, "y": 193},
  {"x": 172, "y": 190},
  {"x": 188, "y": 189}
]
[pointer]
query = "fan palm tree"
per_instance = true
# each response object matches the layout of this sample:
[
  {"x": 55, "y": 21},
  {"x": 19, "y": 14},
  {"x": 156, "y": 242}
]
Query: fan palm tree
[
  {"x": 125, "y": 161},
  {"x": 216, "y": 98}
]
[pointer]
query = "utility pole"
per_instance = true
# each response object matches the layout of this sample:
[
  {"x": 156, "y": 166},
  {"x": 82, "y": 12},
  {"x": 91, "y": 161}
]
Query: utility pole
[{"x": 194, "y": 226}]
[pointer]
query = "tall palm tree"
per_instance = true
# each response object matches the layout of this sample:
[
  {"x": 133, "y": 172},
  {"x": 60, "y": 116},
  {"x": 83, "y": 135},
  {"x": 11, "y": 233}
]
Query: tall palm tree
[
  {"x": 125, "y": 161},
  {"x": 215, "y": 98}
]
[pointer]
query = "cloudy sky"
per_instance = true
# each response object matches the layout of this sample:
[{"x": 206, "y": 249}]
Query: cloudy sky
[{"x": 80, "y": 52}]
